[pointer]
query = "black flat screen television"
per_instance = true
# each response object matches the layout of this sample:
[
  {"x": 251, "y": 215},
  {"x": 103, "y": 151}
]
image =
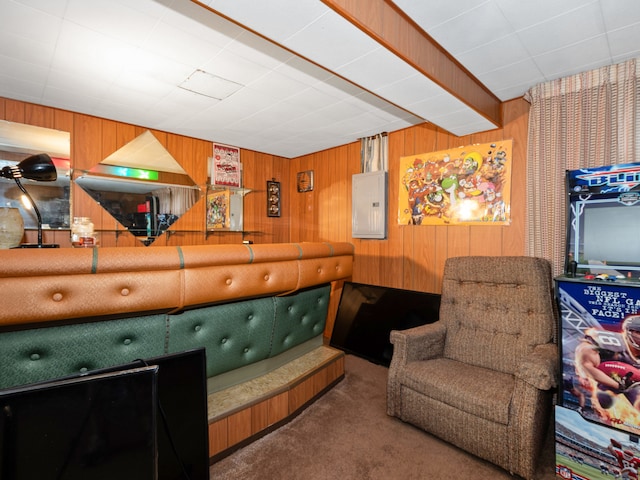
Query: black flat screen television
[
  {"x": 98, "y": 427},
  {"x": 180, "y": 425},
  {"x": 367, "y": 314},
  {"x": 183, "y": 438}
]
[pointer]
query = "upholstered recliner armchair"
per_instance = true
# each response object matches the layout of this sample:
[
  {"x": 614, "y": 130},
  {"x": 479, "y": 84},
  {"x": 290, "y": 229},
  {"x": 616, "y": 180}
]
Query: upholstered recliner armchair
[{"x": 481, "y": 377}]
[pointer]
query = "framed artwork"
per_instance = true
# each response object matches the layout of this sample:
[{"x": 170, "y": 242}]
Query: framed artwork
[
  {"x": 218, "y": 215},
  {"x": 225, "y": 166},
  {"x": 304, "y": 181},
  {"x": 468, "y": 185},
  {"x": 273, "y": 198}
]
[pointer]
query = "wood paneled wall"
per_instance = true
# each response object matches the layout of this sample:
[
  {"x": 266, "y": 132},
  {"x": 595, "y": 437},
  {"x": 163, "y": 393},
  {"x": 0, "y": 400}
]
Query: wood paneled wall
[
  {"x": 93, "y": 139},
  {"x": 411, "y": 257}
]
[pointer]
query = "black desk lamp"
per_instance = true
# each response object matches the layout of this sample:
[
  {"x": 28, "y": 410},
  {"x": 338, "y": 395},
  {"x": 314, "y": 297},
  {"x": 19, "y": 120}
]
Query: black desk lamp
[{"x": 41, "y": 169}]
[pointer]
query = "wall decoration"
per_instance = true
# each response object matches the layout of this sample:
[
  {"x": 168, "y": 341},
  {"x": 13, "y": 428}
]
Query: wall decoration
[
  {"x": 458, "y": 186},
  {"x": 305, "y": 181},
  {"x": 225, "y": 166},
  {"x": 273, "y": 198},
  {"x": 218, "y": 215}
]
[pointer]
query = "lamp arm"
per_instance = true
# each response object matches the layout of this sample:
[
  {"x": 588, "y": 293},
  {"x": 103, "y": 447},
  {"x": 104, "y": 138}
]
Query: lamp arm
[{"x": 35, "y": 208}]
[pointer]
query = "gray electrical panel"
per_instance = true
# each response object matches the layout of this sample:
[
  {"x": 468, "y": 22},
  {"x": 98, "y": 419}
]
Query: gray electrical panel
[{"x": 369, "y": 200}]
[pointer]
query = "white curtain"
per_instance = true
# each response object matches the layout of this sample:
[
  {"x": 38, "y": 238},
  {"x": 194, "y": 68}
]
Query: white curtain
[
  {"x": 374, "y": 153},
  {"x": 176, "y": 200}
]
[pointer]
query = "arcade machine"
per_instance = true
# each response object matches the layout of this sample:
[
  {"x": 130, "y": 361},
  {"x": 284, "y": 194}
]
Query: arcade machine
[{"x": 598, "y": 409}]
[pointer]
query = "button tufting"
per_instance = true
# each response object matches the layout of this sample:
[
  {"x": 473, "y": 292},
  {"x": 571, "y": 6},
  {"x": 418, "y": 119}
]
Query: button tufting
[
  {"x": 224, "y": 340},
  {"x": 228, "y": 282},
  {"x": 34, "y": 356},
  {"x": 266, "y": 277},
  {"x": 84, "y": 370},
  {"x": 250, "y": 316},
  {"x": 197, "y": 328},
  {"x": 124, "y": 292},
  {"x": 246, "y": 349},
  {"x": 57, "y": 297},
  {"x": 127, "y": 341}
]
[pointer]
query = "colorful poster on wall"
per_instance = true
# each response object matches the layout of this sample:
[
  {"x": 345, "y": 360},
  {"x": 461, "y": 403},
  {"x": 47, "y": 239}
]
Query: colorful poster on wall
[
  {"x": 218, "y": 210},
  {"x": 458, "y": 186},
  {"x": 226, "y": 169}
]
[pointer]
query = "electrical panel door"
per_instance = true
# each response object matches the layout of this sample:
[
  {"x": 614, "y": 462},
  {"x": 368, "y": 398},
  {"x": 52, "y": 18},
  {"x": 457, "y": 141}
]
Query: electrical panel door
[{"x": 369, "y": 211}]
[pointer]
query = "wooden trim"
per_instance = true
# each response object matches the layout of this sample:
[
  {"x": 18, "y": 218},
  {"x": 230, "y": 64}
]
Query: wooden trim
[{"x": 383, "y": 21}]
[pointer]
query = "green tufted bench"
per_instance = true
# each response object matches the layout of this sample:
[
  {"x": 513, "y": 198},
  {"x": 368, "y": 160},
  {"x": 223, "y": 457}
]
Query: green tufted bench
[{"x": 235, "y": 335}]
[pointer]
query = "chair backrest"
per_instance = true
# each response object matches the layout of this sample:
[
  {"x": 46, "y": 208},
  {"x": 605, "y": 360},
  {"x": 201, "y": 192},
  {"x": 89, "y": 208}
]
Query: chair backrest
[{"x": 497, "y": 309}]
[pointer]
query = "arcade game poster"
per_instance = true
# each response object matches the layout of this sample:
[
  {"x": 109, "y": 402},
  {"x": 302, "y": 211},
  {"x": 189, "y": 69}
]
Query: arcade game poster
[{"x": 458, "y": 186}]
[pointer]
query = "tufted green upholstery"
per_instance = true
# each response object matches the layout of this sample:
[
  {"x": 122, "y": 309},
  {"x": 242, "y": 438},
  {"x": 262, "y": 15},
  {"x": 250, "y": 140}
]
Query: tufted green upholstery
[
  {"x": 299, "y": 318},
  {"x": 28, "y": 356},
  {"x": 234, "y": 334}
]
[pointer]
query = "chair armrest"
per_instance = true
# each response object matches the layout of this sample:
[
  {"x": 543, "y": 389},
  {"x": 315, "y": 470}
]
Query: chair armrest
[
  {"x": 419, "y": 343},
  {"x": 540, "y": 368}
]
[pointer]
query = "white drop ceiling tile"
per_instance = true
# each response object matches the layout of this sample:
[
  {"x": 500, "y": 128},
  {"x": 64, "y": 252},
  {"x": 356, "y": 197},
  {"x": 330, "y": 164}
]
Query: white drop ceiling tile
[
  {"x": 525, "y": 14},
  {"x": 525, "y": 72},
  {"x": 198, "y": 21},
  {"x": 16, "y": 68},
  {"x": 248, "y": 98},
  {"x": 575, "y": 58},
  {"x": 407, "y": 90},
  {"x": 585, "y": 19},
  {"x": 141, "y": 63},
  {"x": 276, "y": 19},
  {"x": 303, "y": 71},
  {"x": 338, "y": 88},
  {"x": 483, "y": 24},
  {"x": 86, "y": 85},
  {"x": 179, "y": 45},
  {"x": 75, "y": 99},
  {"x": 112, "y": 19},
  {"x": 142, "y": 83},
  {"x": 624, "y": 42},
  {"x": 376, "y": 69},
  {"x": 15, "y": 87},
  {"x": 250, "y": 46},
  {"x": 53, "y": 7},
  {"x": 277, "y": 86},
  {"x": 85, "y": 52},
  {"x": 25, "y": 50},
  {"x": 611, "y": 13},
  {"x": 312, "y": 98},
  {"x": 436, "y": 12},
  {"x": 27, "y": 22},
  {"x": 331, "y": 41},
  {"x": 234, "y": 68},
  {"x": 490, "y": 56}
]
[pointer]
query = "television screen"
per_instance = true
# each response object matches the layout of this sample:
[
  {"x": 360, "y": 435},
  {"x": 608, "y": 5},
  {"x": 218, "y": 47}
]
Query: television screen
[
  {"x": 367, "y": 314},
  {"x": 183, "y": 438},
  {"x": 97, "y": 427},
  {"x": 603, "y": 220}
]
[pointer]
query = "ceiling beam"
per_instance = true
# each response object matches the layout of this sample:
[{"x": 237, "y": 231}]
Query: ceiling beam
[{"x": 383, "y": 21}]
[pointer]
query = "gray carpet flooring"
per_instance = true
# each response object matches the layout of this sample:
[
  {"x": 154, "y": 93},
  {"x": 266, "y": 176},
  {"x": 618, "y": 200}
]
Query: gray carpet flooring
[{"x": 346, "y": 434}]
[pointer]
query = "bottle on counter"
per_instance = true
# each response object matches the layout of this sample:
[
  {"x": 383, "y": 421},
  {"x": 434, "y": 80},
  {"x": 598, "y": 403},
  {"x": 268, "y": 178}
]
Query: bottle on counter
[{"x": 82, "y": 234}]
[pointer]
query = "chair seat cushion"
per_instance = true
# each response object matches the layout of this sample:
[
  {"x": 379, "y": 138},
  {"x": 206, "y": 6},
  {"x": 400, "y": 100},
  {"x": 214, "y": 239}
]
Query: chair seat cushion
[{"x": 476, "y": 390}]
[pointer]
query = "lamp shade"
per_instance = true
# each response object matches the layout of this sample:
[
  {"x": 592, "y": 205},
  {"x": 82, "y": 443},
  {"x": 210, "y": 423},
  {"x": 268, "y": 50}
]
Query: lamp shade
[{"x": 39, "y": 168}]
